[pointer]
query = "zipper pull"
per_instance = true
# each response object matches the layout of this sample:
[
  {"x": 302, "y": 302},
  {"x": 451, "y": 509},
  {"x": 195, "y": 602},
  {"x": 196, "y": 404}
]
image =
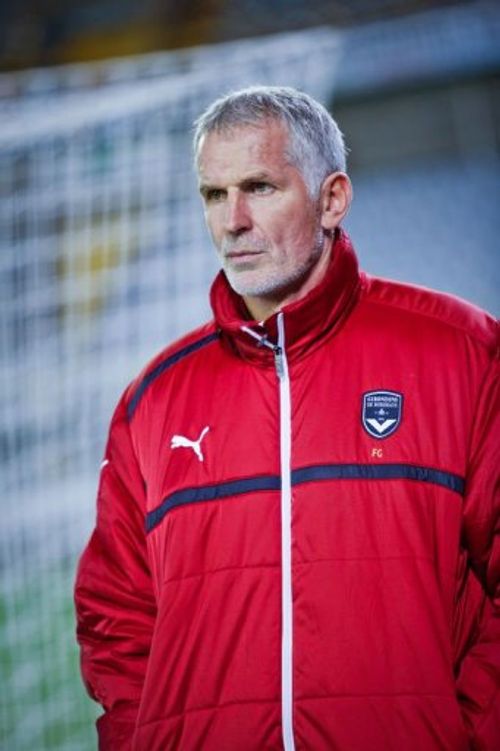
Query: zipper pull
[
  {"x": 262, "y": 341},
  {"x": 278, "y": 361}
]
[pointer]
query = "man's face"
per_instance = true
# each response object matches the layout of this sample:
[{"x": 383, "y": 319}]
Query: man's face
[{"x": 265, "y": 226}]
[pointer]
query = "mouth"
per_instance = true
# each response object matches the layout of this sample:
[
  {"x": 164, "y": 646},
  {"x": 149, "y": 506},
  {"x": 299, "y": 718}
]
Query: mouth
[{"x": 243, "y": 255}]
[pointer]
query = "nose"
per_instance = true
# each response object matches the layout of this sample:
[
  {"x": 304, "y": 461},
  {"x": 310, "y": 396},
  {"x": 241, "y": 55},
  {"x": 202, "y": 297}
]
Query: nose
[{"x": 237, "y": 213}]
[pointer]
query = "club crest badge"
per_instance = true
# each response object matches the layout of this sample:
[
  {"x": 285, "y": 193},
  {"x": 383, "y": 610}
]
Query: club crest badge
[{"x": 382, "y": 412}]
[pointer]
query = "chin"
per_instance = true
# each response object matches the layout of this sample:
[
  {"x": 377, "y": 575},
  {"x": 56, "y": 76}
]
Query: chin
[{"x": 253, "y": 287}]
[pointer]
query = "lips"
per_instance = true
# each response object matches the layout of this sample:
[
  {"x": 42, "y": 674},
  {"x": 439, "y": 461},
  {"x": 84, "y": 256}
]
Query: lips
[
  {"x": 243, "y": 253},
  {"x": 243, "y": 247}
]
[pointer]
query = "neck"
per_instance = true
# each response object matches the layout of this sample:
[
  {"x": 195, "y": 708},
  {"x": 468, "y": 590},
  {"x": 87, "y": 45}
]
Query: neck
[{"x": 261, "y": 308}]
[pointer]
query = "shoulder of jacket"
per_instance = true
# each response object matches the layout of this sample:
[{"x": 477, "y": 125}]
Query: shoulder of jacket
[
  {"x": 185, "y": 346},
  {"x": 440, "y": 309}
]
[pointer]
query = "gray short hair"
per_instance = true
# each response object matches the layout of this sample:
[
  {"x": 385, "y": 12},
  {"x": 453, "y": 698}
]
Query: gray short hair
[{"x": 316, "y": 145}]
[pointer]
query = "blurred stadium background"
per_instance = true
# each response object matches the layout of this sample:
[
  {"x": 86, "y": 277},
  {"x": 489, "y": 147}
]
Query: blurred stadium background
[{"x": 104, "y": 257}]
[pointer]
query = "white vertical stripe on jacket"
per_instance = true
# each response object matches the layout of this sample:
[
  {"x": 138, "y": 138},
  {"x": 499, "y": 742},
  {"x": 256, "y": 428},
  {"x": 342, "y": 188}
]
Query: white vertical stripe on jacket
[{"x": 286, "y": 541}]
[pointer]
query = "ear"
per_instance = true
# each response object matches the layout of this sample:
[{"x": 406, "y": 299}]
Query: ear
[{"x": 335, "y": 199}]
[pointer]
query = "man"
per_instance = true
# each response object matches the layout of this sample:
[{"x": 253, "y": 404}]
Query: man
[{"x": 295, "y": 543}]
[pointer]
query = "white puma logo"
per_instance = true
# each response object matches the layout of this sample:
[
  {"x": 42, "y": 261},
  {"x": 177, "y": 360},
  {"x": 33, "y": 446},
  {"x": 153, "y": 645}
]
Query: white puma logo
[{"x": 180, "y": 441}]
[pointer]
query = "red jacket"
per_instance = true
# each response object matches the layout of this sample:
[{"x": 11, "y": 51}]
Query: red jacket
[{"x": 295, "y": 543}]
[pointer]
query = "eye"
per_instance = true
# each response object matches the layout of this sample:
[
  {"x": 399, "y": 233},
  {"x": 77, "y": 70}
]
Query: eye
[
  {"x": 260, "y": 188},
  {"x": 214, "y": 195}
]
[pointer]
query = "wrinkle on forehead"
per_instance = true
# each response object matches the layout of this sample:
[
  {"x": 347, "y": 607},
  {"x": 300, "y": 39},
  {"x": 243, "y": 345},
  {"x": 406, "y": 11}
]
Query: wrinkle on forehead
[{"x": 260, "y": 148}]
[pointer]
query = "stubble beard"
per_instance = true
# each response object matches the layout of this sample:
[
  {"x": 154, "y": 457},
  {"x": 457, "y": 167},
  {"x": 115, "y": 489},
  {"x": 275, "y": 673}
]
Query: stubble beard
[{"x": 274, "y": 281}]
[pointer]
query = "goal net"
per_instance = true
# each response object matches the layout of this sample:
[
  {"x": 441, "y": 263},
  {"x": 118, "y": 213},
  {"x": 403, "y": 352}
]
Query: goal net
[{"x": 104, "y": 259}]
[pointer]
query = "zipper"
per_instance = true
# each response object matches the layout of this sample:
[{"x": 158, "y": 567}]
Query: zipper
[{"x": 281, "y": 365}]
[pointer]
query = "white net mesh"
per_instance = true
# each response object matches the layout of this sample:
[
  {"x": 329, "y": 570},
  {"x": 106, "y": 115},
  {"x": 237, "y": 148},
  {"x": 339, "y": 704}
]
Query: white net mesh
[{"x": 104, "y": 259}]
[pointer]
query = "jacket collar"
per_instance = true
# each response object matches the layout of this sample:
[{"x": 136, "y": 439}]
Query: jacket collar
[{"x": 307, "y": 321}]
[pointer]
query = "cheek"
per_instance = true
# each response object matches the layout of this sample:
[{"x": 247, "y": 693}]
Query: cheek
[
  {"x": 298, "y": 235},
  {"x": 213, "y": 227}
]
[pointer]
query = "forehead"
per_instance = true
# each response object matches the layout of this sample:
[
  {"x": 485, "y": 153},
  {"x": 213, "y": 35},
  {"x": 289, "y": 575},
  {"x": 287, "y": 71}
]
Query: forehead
[{"x": 244, "y": 148}]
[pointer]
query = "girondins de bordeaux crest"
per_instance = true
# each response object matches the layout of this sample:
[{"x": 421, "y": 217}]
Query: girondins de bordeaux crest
[{"x": 382, "y": 412}]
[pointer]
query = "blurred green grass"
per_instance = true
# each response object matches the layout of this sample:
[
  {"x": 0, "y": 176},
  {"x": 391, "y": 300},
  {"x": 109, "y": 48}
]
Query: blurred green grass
[{"x": 43, "y": 703}]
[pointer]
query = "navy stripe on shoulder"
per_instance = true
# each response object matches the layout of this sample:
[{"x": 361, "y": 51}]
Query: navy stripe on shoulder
[
  {"x": 211, "y": 493},
  {"x": 379, "y": 472},
  {"x": 163, "y": 366}
]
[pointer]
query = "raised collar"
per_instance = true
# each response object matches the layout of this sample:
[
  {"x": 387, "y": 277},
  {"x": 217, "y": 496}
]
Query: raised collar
[{"x": 307, "y": 321}]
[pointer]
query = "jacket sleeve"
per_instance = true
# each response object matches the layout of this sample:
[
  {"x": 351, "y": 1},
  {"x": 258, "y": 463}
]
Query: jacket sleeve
[
  {"x": 114, "y": 597},
  {"x": 479, "y": 677}
]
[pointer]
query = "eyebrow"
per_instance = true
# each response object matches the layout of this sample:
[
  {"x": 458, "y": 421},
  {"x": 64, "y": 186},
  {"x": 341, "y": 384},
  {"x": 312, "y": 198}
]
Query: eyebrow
[
  {"x": 257, "y": 177},
  {"x": 205, "y": 188}
]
